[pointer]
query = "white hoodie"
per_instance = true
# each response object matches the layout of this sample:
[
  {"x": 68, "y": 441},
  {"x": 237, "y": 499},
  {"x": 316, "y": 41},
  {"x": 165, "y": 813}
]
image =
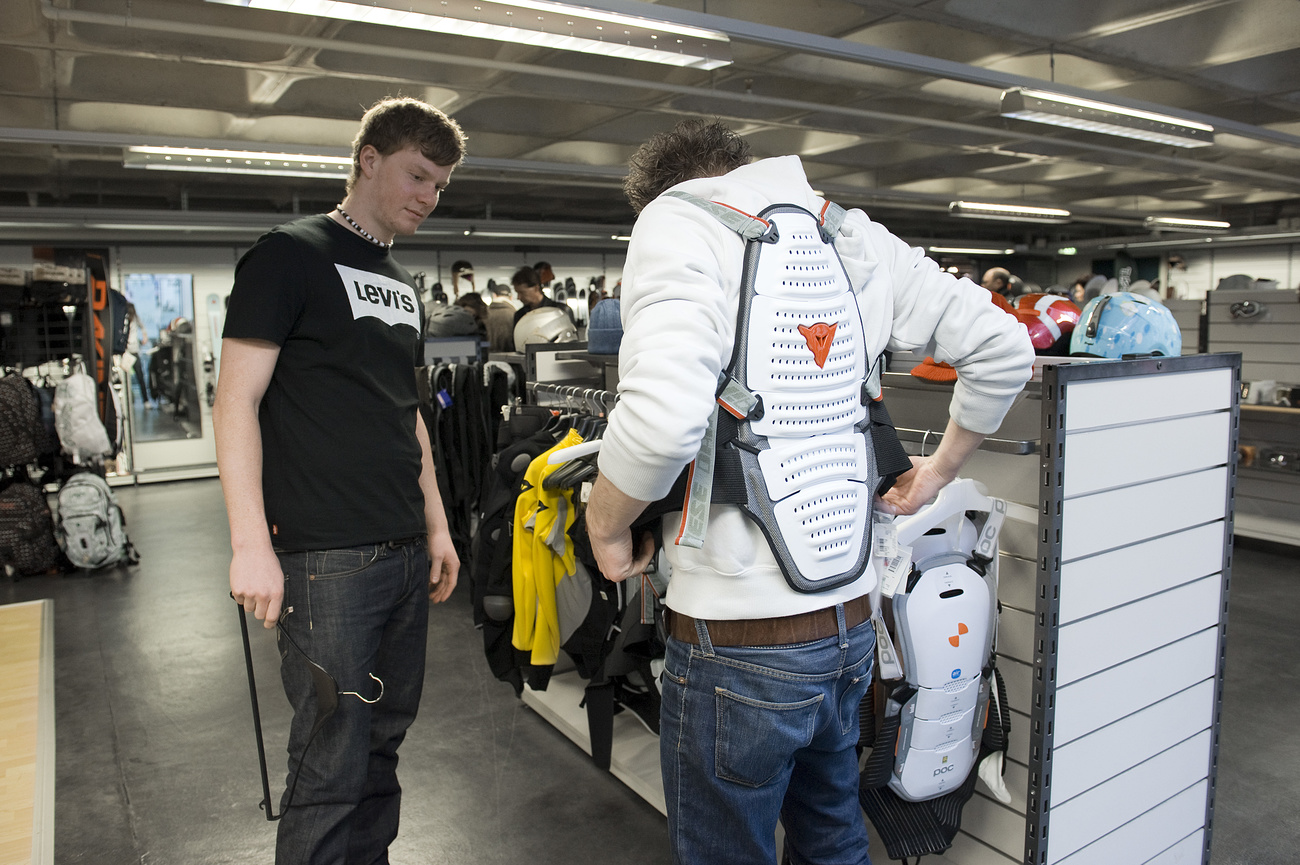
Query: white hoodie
[{"x": 680, "y": 296}]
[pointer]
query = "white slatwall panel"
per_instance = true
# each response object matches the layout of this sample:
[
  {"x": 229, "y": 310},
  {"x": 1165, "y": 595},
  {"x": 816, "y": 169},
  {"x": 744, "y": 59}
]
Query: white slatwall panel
[
  {"x": 1110, "y": 402},
  {"x": 1096, "y": 701},
  {"x": 1135, "y": 842},
  {"x": 1103, "y": 809},
  {"x": 994, "y": 824},
  {"x": 1100, "y": 582},
  {"x": 1114, "y": 457},
  {"x": 1019, "y": 680},
  {"x": 1084, "y": 763},
  {"x": 1016, "y": 635},
  {"x": 1017, "y": 579},
  {"x": 1018, "y": 748},
  {"x": 1188, "y": 851},
  {"x": 965, "y": 850},
  {"x": 1102, "y": 641},
  {"x": 1114, "y": 519}
]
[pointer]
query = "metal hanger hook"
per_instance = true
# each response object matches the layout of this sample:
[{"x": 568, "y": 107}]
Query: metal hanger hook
[{"x": 363, "y": 699}]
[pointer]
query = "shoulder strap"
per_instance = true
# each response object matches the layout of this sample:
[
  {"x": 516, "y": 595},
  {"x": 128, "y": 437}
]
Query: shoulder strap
[{"x": 829, "y": 219}]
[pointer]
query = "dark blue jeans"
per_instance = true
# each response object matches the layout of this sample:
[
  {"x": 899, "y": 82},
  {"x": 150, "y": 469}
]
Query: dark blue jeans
[
  {"x": 748, "y": 734},
  {"x": 355, "y": 612}
]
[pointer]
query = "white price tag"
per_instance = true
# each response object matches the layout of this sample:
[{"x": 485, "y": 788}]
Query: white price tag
[
  {"x": 896, "y": 568},
  {"x": 885, "y": 536},
  {"x": 890, "y": 668},
  {"x": 584, "y": 492}
]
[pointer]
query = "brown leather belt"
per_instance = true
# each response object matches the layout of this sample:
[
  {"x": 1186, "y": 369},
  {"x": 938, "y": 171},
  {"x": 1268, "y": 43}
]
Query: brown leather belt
[{"x": 781, "y": 631}]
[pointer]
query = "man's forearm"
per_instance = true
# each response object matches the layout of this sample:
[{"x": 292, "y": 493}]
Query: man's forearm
[
  {"x": 239, "y": 463},
  {"x": 610, "y": 511},
  {"x": 955, "y": 448},
  {"x": 435, "y": 516}
]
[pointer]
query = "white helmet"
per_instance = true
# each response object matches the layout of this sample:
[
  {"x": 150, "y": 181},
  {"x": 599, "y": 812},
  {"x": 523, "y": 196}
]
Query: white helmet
[{"x": 542, "y": 325}]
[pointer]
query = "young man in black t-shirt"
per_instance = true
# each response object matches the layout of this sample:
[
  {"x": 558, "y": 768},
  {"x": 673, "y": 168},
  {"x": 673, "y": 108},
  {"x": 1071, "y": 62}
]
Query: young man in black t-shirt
[{"x": 336, "y": 524}]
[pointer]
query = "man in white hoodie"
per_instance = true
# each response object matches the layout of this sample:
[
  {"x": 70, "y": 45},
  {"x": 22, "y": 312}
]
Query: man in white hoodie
[{"x": 762, "y": 681}]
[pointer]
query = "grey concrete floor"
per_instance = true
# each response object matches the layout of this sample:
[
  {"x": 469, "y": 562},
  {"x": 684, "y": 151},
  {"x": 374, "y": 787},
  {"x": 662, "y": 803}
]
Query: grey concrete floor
[{"x": 156, "y": 762}]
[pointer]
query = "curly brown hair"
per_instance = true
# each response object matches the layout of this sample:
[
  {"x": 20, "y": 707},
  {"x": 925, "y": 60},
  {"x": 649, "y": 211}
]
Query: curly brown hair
[
  {"x": 398, "y": 122},
  {"x": 693, "y": 148}
]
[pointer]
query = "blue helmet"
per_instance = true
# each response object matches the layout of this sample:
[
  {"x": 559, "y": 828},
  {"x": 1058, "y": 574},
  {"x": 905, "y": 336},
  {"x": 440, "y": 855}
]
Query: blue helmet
[{"x": 1114, "y": 325}]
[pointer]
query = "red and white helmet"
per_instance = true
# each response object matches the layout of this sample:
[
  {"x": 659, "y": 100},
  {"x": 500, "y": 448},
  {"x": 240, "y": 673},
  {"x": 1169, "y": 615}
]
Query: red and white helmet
[{"x": 1049, "y": 318}]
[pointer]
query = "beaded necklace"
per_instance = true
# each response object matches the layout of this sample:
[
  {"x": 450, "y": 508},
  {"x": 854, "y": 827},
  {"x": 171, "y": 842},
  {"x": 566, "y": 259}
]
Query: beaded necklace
[{"x": 361, "y": 231}]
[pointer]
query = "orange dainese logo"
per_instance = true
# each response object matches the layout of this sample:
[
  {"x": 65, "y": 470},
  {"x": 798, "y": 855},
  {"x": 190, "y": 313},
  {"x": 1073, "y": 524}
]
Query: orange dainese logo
[
  {"x": 819, "y": 338},
  {"x": 955, "y": 639}
]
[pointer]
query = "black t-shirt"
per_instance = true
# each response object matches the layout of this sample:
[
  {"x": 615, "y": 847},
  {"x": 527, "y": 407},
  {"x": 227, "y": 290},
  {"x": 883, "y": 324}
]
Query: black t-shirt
[{"x": 340, "y": 460}]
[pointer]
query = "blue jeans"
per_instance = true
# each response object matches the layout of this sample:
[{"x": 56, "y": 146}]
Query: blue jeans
[
  {"x": 355, "y": 612},
  {"x": 748, "y": 734}
]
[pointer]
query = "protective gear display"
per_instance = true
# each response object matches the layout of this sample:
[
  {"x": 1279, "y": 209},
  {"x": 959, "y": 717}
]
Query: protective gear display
[
  {"x": 1114, "y": 325},
  {"x": 945, "y": 623},
  {"x": 544, "y": 325},
  {"x": 1050, "y": 319},
  {"x": 930, "y": 723}
]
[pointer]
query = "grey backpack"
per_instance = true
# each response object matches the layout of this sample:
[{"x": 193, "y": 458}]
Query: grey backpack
[{"x": 90, "y": 527}]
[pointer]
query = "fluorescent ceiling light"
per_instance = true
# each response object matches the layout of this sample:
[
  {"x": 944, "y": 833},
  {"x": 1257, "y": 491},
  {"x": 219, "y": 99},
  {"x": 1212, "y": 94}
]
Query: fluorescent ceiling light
[
  {"x": 623, "y": 237},
  {"x": 1007, "y": 212},
  {"x": 1067, "y": 250},
  {"x": 237, "y": 162},
  {"x": 1040, "y": 106},
  {"x": 958, "y": 250},
  {"x": 1197, "y": 241},
  {"x": 1175, "y": 223},
  {"x": 529, "y": 22}
]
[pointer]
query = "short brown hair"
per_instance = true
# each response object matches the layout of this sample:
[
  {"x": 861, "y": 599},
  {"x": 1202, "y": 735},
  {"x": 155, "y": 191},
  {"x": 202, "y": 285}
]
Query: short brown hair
[
  {"x": 398, "y": 122},
  {"x": 692, "y": 149},
  {"x": 526, "y": 276}
]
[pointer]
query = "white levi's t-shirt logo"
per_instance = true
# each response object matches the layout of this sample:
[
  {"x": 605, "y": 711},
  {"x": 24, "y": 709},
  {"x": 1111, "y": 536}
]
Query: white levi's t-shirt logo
[{"x": 381, "y": 297}]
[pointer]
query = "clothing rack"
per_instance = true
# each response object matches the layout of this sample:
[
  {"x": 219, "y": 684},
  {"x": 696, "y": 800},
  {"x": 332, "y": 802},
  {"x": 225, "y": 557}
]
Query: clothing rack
[{"x": 585, "y": 400}]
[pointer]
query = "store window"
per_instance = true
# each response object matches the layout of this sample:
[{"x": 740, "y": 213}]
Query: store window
[{"x": 163, "y": 384}]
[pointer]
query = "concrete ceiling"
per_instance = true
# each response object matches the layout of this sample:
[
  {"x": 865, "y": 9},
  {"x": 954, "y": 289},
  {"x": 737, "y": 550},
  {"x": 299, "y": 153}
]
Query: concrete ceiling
[{"x": 892, "y": 103}]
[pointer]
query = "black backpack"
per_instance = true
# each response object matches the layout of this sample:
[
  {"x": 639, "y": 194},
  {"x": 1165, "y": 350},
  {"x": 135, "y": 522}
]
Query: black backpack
[
  {"x": 22, "y": 432},
  {"x": 27, "y": 542}
]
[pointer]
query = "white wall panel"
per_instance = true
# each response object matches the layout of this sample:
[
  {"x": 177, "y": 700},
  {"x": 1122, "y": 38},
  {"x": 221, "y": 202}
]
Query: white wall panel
[
  {"x": 1103, "y": 809},
  {"x": 1102, "y": 641},
  {"x": 1118, "y": 577},
  {"x": 1016, "y": 581},
  {"x": 1019, "y": 680},
  {"x": 1137, "y": 841},
  {"x": 1189, "y": 851},
  {"x": 1122, "y": 456},
  {"x": 1099, "y": 700},
  {"x": 1107, "y": 402},
  {"x": 994, "y": 824},
  {"x": 1086, "y": 762},
  {"x": 1016, "y": 635},
  {"x": 1018, "y": 745},
  {"x": 1105, "y": 521},
  {"x": 965, "y": 850},
  {"x": 1260, "y": 262}
]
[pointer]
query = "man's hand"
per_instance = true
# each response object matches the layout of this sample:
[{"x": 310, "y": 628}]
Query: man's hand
[
  {"x": 617, "y": 560},
  {"x": 257, "y": 584},
  {"x": 610, "y": 513},
  {"x": 444, "y": 567},
  {"x": 914, "y": 488}
]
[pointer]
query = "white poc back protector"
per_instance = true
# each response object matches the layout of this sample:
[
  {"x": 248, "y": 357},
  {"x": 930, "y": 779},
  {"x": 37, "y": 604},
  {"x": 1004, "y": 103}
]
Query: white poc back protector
[{"x": 945, "y": 624}]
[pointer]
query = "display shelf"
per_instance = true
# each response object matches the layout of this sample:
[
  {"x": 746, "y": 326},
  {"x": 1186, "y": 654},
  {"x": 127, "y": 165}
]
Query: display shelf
[
  {"x": 1114, "y": 598},
  {"x": 634, "y": 759}
]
